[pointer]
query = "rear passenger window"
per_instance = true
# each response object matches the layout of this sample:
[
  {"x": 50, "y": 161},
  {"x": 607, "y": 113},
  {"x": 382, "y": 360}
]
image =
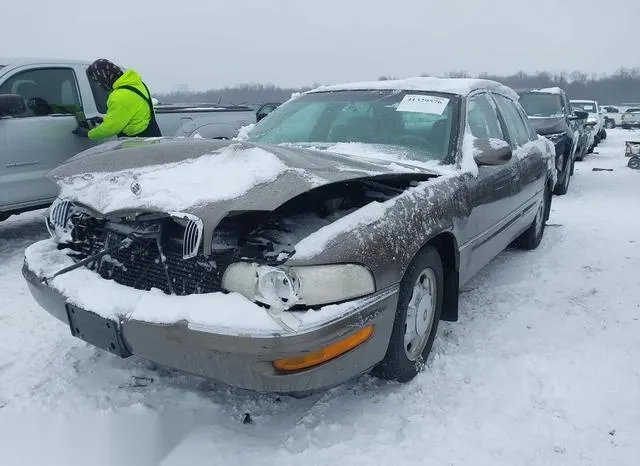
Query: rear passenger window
[
  {"x": 517, "y": 129},
  {"x": 482, "y": 118},
  {"x": 523, "y": 116},
  {"x": 46, "y": 91}
]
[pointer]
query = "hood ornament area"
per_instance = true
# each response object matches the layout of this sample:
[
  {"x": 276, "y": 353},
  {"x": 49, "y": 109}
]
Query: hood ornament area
[{"x": 135, "y": 186}]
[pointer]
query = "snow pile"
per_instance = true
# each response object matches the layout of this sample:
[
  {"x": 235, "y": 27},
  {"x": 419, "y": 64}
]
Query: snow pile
[
  {"x": 228, "y": 314},
  {"x": 226, "y": 174},
  {"x": 243, "y": 132}
]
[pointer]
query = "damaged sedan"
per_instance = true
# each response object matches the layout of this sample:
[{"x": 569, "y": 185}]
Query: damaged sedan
[{"x": 327, "y": 242}]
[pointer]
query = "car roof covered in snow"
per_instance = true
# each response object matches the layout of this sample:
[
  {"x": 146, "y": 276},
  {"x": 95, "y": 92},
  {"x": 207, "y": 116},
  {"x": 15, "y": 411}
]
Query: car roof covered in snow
[
  {"x": 548, "y": 90},
  {"x": 458, "y": 86}
]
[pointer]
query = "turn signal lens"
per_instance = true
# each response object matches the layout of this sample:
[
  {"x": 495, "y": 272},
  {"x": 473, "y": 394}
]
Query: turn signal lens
[{"x": 324, "y": 354}]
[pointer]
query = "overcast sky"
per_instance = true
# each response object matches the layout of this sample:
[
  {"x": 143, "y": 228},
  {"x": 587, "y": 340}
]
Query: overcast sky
[{"x": 211, "y": 43}]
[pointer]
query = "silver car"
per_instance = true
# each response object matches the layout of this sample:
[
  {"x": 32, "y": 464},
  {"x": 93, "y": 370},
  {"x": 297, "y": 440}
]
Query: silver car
[{"x": 328, "y": 244}]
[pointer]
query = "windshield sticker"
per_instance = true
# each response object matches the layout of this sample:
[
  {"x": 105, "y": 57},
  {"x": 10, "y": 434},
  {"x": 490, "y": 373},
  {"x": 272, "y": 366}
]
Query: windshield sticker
[
  {"x": 423, "y": 104},
  {"x": 588, "y": 107}
]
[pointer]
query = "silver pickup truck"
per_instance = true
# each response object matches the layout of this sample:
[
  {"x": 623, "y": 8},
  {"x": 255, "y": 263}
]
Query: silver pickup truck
[{"x": 41, "y": 103}]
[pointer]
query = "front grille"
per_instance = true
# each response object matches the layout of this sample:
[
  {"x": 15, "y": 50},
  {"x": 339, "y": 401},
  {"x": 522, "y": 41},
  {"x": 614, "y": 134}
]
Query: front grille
[
  {"x": 192, "y": 238},
  {"x": 140, "y": 266},
  {"x": 59, "y": 213}
]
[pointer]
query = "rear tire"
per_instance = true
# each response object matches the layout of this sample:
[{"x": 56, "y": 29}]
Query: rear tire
[
  {"x": 532, "y": 237},
  {"x": 417, "y": 317}
]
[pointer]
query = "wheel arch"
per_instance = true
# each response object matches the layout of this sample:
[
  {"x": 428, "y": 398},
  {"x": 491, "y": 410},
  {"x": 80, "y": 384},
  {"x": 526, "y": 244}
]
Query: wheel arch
[{"x": 447, "y": 246}]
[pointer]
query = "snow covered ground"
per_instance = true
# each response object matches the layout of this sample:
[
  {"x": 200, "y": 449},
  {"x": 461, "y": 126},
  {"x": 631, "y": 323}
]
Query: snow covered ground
[{"x": 542, "y": 369}]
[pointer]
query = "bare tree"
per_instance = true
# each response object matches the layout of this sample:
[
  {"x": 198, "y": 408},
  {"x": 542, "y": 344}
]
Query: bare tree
[{"x": 620, "y": 86}]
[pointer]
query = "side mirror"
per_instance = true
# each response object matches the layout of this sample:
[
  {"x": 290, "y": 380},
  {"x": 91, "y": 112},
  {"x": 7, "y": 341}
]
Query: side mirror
[
  {"x": 580, "y": 115},
  {"x": 11, "y": 105},
  {"x": 492, "y": 152}
]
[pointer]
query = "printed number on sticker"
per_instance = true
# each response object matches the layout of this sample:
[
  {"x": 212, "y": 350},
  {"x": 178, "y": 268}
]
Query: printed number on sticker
[{"x": 423, "y": 104}]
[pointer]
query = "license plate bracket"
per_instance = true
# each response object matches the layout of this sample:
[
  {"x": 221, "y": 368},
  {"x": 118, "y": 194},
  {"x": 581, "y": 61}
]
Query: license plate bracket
[{"x": 97, "y": 331}]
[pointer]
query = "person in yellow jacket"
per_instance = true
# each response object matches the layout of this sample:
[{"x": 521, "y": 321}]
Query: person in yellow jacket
[{"x": 130, "y": 110}]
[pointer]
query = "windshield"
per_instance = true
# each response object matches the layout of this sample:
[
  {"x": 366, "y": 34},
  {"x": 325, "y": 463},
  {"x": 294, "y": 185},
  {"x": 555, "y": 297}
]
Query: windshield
[
  {"x": 537, "y": 104},
  {"x": 415, "y": 125},
  {"x": 589, "y": 107}
]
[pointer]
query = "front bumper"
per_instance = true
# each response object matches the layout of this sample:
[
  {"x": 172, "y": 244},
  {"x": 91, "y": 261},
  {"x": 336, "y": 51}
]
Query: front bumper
[{"x": 241, "y": 357}]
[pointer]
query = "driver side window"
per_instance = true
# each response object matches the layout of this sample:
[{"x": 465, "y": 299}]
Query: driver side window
[
  {"x": 46, "y": 91},
  {"x": 482, "y": 118}
]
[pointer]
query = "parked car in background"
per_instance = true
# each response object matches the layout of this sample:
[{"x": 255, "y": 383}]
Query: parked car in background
[
  {"x": 585, "y": 135},
  {"x": 632, "y": 150},
  {"x": 328, "y": 244},
  {"x": 595, "y": 120},
  {"x": 612, "y": 115},
  {"x": 550, "y": 113},
  {"x": 631, "y": 118},
  {"x": 43, "y": 101}
]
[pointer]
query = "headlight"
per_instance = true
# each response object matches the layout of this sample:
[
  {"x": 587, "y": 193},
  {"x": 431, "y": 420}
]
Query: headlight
[
  {"x": 284, "y": 287},
  {"x": 555, "y": 137},
  {"x": 592, "y": 120}
]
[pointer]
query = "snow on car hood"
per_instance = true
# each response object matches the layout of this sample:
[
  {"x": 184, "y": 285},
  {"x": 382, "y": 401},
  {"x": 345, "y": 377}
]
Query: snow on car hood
[
  {"x": 210, "y": 178},
  {"x": 185, "y": 174}
]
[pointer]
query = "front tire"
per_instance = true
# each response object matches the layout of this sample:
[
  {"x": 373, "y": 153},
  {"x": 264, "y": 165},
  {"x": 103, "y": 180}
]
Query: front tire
[
  {"x": 564, "y": 178},
  {"x": 417, "y": 317},
  {"x": 634, "y": 163},
  {"x": 532, "y": 237}
]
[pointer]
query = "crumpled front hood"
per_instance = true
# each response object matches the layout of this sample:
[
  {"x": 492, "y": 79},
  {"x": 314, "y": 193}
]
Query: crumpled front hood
[
  {"x": 546, "y": 126},
  {"x": 207, "y": 178}
]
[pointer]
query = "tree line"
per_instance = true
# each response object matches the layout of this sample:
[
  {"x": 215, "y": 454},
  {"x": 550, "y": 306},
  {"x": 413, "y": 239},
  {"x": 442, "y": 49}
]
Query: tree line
[{"x": 623, "y": 86}]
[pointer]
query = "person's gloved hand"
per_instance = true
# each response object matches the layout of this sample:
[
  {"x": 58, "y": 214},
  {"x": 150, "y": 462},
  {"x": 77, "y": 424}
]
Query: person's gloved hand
[
  {"x": 95, "y": 121},
  {"x": 81, "y": 131}
]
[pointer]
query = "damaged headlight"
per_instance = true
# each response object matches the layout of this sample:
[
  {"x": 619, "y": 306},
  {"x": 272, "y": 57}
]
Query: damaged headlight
[{"x": 284, "y": 287}]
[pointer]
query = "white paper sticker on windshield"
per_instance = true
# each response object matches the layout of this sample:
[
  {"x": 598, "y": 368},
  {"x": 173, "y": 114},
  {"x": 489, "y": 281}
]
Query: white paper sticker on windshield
[{"x": 423, "y": 104}]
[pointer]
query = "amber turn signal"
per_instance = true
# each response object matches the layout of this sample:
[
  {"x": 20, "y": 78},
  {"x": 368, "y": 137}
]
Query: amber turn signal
[{"x": 324, "y": 354}]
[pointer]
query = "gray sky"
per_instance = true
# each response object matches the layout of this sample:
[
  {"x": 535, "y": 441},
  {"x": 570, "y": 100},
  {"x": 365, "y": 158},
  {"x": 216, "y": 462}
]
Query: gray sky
[{"x": 211, "y": 43}]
